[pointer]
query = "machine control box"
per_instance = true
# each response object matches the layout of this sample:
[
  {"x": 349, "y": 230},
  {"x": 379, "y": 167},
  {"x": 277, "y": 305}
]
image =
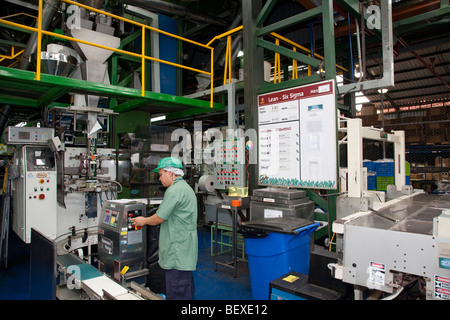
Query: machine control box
[
  {"x": 118, "y": 238},
  {"x": 28, "y": 135},
  {"x": 229, "y": 169}
]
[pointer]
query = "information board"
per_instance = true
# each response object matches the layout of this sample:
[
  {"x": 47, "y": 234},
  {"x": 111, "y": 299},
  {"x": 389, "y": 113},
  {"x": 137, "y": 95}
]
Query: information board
[{"x": 297, "y": 137}]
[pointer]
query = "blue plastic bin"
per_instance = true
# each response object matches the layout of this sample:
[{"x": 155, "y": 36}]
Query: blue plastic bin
[{"x": 275, "y": 247}]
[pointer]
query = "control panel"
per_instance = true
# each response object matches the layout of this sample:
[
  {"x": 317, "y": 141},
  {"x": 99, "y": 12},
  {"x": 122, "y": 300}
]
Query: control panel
[
  {"x": 229, "y": 169},
  {"x": 119, "y": 240},
  {"x": 35, "y": 201},
  {"x": 28, "y": 135},
  {"x": 133, "y": 214},
  {"x": 40, "y": 174},
  {"x": 111, "y": 218}
]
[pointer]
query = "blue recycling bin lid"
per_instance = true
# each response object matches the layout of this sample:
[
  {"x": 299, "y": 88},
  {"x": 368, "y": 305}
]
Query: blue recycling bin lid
[{"x": 285, "y": 225}]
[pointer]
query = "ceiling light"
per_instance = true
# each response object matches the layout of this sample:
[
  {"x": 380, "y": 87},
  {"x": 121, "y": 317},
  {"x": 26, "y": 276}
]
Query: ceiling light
[{"x": 158, "y": 118}]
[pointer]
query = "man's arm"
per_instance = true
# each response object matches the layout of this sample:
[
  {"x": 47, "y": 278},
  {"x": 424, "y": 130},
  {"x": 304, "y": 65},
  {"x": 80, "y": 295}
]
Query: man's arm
[{"x": 153, "y": 220}]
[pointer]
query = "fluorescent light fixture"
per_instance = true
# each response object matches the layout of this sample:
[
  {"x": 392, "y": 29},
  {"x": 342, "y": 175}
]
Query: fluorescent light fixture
[
  {"x": 158, "y": 118},
  {"x": 360, "y": 98},
  {"x": 22, "y": 124}
]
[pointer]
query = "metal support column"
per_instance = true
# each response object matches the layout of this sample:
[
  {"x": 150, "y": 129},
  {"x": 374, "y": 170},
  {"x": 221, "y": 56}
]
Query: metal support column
[{"x": 253, "y": 75}]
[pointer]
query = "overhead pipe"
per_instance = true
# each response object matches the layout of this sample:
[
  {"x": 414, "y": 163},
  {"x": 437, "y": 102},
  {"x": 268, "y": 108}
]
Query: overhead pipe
[{"x": 171, "y": 8}]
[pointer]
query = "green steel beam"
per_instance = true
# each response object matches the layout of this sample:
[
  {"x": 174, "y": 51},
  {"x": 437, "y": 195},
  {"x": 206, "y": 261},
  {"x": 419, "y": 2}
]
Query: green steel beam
[
  {"x": 3, "y": 25},
  {"x": 51, "y": 95},
  {"x": 330, "y": 74},
  {"x": 422, "y": 20},
  {"x": 301, "y": 17},
  {"x": 12, "y": 43},
  {"x": 6, "y": 99},
  {"x": 130, "y": 38},
  {"x": 264, "y": 13},
  {"x": 352, "y": 6},
  {"x": 54, "y": 86},
  {"x": 289, "y": 53},
  {"x": 254, "y": 74},
  {"x": 328, "y": 39}
]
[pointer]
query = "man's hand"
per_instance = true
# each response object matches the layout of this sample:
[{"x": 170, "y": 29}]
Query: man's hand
[
  {"x": 153, "y": 220},
  {"x": 138, "y": 221}
]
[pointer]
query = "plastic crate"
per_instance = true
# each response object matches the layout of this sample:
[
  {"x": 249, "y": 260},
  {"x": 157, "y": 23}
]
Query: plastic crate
[
  {"x": 384, "y": 169},
  {"x": 370, "y": 165},
  {"x": 383, "y": 182},
  {"x": 371, "y": 182}
]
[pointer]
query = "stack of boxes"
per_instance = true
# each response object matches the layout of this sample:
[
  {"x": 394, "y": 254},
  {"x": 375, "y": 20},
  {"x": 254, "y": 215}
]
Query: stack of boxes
[{"x": 380, "y": 174}]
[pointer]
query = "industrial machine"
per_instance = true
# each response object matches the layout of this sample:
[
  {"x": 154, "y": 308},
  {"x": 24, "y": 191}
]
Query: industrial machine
[
  {"x": 34, "y": 201},
  {"x": 120, "y": 243},
  {"x": 394, "y": 242},
  {"x": 402, "y": 243},
  {"x": 280, "y": 202}
]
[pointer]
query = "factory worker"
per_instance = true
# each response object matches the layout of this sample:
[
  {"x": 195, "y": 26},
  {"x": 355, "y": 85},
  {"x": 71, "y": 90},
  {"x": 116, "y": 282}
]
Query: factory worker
[{"x": 178, "y": 244}]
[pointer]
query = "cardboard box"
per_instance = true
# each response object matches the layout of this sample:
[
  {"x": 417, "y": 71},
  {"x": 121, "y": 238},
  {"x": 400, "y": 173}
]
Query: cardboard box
[
  {"x": 437, "y": 176},
  {"x": 442, "y": 162},
  {"x": 435, "y": 139},
  {"x": 417, "y": 176}
]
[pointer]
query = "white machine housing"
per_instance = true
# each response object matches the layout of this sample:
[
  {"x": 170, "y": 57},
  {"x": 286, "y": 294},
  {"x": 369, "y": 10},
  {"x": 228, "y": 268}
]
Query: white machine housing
[{"x": 34, "y": 202}]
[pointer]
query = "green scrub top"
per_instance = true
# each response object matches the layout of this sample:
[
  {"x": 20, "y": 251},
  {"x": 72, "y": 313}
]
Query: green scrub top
[{"x": 178, "y": 243}]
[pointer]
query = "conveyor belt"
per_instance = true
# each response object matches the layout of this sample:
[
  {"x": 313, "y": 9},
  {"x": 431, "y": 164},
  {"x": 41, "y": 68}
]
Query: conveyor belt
[{"x": 411, "y": 214}]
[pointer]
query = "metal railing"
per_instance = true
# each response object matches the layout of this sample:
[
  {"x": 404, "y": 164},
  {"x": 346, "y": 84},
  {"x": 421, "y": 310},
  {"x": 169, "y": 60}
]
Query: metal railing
[
  {"x": 228, "y": 67},
  {"x": 277, "y": 75},
  {"x": 141, "y": 55}
]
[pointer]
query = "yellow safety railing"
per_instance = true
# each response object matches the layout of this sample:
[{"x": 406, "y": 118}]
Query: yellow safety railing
[
  {"x": 294, "y": 45},
  {"x": 13, "y": 54},
  {"x": 142, "y": 55},
  {"x": 227, "y": 69},
  {"x": 277, "y": 61}
]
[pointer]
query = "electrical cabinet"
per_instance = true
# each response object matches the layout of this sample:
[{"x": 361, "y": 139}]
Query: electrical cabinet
[{"x": 229, "y": 169}]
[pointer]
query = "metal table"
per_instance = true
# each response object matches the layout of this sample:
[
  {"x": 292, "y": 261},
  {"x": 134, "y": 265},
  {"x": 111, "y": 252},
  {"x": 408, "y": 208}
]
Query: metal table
[{"x": 234, "y": 205}]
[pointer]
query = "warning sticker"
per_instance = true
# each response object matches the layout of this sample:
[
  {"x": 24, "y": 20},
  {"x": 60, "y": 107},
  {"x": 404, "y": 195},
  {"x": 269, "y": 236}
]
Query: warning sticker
[
  {"x": 442, "y": 287},
  {"x": 444, "y": 263},
  {"x": 377, "y": 273},
  {"x": 291, "y": 278}
]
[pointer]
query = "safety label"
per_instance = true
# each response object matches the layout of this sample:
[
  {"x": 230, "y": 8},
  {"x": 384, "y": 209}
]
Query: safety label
[
  {"x": 291, "y": 278},
  {"x": 442, "y": 287},
  {"x": 377, "y": 273},
  {"x": 444, "y": 263}
]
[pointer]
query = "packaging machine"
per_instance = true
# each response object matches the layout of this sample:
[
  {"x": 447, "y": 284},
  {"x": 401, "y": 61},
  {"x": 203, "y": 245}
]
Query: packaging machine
[{"x": 391, "y": 243}]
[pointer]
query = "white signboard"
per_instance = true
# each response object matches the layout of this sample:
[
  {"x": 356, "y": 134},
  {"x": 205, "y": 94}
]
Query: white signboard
[{"x": 297, "y": 137}]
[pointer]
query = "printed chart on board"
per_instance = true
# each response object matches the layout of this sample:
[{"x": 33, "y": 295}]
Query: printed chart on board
[{"x": 297, "y": 137}]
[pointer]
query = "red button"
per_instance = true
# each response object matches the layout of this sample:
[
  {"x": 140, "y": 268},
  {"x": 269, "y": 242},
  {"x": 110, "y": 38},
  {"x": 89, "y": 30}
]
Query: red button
[{"x": 41, "y": 196}]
